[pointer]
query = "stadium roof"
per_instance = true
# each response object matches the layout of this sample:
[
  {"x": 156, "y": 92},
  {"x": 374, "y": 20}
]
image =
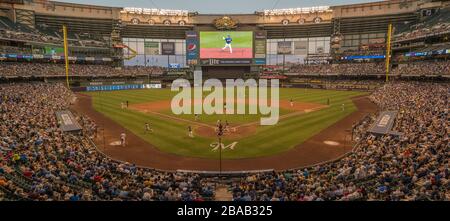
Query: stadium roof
[{"x": 221, "y": 7}]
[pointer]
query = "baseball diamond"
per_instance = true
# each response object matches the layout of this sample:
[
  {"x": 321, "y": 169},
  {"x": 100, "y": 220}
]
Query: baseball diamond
[{"x": 239, "y": 101}]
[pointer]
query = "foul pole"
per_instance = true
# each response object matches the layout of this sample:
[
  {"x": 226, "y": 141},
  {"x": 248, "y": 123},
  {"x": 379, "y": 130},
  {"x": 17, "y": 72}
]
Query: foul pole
[
  {"x": 388, "y": 51},
  {"x": 66, "y": 55}
]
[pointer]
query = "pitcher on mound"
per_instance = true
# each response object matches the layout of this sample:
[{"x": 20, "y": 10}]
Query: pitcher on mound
[{"x": 228, "y": 41}]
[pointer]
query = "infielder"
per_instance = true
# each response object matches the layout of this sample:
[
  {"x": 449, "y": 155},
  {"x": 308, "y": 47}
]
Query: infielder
[
  {"x": 191, "y": 133},
  {"x": 228, "y": 41},
  {"x": 123, "y": 137},
  {"x": 147, "y": 128}
]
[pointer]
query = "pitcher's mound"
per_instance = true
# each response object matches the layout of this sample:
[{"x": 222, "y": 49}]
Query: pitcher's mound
[{"x": 231, "y": 132}]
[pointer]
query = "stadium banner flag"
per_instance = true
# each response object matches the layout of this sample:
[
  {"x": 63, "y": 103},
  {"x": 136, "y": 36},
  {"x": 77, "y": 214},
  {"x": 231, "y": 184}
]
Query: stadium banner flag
[
  {"x": 168, "y": 48},
  {"x": 284, "y": 47},
  {"x": 300, "y": 47},
  {"x": 151, "y": 48}
]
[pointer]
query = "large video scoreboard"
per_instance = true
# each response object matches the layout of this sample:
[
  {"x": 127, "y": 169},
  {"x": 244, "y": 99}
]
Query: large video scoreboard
[{"x": 207, "y": 48}]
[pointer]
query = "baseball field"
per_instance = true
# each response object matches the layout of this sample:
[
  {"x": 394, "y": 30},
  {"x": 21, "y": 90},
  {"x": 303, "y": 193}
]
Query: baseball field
[
  {"x": 213, "y": 42},
  {"x": 309, "y": 114}
]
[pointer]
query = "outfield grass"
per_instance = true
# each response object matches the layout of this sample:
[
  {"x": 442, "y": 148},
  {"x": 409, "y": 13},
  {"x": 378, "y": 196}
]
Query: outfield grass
[
  {"x": 171, "y": 136},
  {"x": 214, "y": 39}
]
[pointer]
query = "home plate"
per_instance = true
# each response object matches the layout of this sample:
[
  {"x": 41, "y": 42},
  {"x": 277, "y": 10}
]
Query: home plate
[
  {"x": 331, "y": 143},
  {"x": 115, "y": 143}
]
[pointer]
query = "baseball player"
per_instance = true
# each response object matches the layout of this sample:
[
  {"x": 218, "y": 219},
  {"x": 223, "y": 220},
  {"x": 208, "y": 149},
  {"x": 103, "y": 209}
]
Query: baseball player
[
  {"x": 123, "y": 137},
  {"x": 227, "y": 126},
  {"x": 147, "y": 128},
  {"x": 191, "y": 133},
  {"x": 220, "y": 129},
  {"x": 228, "y": 41},
  {"x": 292, "y": 102},
  {"x": 343, "y": 107}
]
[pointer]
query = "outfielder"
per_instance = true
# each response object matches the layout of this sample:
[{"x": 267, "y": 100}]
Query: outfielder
[{"x": 228, "y": 41}]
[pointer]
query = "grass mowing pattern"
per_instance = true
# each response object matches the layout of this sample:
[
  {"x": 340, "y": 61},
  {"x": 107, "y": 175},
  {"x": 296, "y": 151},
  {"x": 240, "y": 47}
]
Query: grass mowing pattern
[{"x": 171, "y": 136}]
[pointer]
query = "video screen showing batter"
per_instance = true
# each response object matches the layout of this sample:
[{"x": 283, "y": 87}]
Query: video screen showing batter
[{"x": 231, "y": 44}]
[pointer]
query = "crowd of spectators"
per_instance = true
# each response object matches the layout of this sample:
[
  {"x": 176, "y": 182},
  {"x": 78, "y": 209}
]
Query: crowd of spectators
[
  {"x": 414, "y": 166},
  {"x": 435, "y": 24},
  {"x": 422, "y": 30},
  {"x": 29, "y": 36},
  {"x": 14, "y": 50},
  {"x": 423, "y": 68},
  {"x": 411, "y": 68},
  {"x": 27, "y": 69},
  {"x": 39, "y": 162},
  {"x": 9, "y": 69},
  {"x": 345, "y": 68}
]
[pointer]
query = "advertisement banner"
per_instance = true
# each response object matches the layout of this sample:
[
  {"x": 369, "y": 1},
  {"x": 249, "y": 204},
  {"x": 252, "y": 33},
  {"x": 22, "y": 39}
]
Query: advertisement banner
[
  {"x": 148, "y": 86},
  {"x": 301, "y": 47},
  {"x": 67, "y": 121},
  {"x": 260, "y": 61},
  {"x": 225, "y": 61},
  {"x": 174, "y": 65},
  {"x": 260, "y": 48},
  {"x": 260, "y": 34},
  {"x": 54, "y": 51},
  {"x": 151, "y": 48},
  {"x": 384, "y": 123},
  {"x": 168, "y": 48},
  {"x": 284, "y": 47},
  {"x": 38, "y": 56},
  {"x": 192, "y": 49}
]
